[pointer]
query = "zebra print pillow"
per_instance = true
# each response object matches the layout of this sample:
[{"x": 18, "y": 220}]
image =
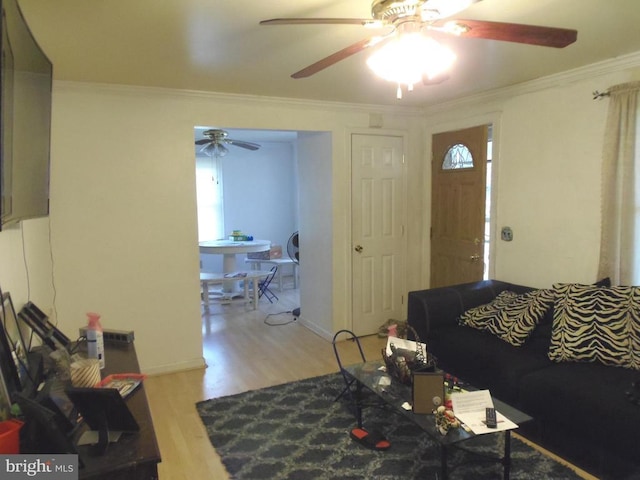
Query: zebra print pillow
[
  {"x": 595, "y": 324},
  {"x": 510, "y": 316}
]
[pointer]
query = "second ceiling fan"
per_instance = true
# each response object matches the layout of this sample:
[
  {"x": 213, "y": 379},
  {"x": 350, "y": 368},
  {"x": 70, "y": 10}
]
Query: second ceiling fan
[
  {"x": 215, "y": 142},
  {"x": 416, "y": 17}
]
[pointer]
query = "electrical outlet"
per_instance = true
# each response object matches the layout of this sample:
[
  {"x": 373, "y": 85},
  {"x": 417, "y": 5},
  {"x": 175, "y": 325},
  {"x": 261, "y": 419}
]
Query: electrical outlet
[{"x": 506, "y": 234}]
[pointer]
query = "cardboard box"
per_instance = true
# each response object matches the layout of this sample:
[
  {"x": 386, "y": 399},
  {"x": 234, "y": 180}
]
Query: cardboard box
[{"x": 274, "y": 252}]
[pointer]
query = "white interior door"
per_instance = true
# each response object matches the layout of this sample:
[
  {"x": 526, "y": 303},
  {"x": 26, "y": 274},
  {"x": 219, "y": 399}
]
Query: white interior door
[{"x": 378, "y": 217}]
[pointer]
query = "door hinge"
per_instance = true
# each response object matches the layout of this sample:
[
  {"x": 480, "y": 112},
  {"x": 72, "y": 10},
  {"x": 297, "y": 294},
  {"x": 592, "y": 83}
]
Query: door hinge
[{"x": 401, "y": 299}]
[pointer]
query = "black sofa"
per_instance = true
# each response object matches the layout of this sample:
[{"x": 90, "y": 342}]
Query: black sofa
[{"x": 581, "y": 410}]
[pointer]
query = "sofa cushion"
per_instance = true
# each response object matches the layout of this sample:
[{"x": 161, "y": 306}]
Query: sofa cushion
[
  {"x": 510, "y": 316},
  {"x": 595, "y": 324}
]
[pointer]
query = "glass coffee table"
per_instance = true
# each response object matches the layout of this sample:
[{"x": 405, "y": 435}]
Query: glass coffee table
[{"x": 396, "y": 395}]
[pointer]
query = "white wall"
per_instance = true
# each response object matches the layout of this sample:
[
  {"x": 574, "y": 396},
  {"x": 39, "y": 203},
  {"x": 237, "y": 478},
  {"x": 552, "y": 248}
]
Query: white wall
[
  {"x": 549, "y": 184},
  {"x": 123, "y": 210},
  {"x": 316, "y": 232},
  {"x": 25, "y": 263},
  {"x": 260, "y": 191}
]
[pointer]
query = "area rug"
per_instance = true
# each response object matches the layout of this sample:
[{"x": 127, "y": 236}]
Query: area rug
[{"x": 298, "y": 431}]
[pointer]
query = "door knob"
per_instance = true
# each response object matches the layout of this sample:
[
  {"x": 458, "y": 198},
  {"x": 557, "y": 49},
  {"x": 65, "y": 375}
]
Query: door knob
[
  {"x": 474, "y": 258},
  {"x": 358, "y": 248}
]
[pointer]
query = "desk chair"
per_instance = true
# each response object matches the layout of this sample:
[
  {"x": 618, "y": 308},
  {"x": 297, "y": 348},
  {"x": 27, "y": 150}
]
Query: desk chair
[{"x": 263, "y": 285}]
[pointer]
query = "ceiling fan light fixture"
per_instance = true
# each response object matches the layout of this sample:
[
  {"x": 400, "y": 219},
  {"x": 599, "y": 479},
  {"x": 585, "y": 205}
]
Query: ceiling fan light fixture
[
  {"x": 406, "y": 59},
  {"x": 216, "y": 150}
]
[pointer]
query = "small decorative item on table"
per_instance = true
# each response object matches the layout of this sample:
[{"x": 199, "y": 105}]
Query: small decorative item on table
[
  {"x": 125, "y": 383},
  {"x": 238, "y": 236},
  {"x": 445, "y": 419},
  {"x": 451, "y": 385}
]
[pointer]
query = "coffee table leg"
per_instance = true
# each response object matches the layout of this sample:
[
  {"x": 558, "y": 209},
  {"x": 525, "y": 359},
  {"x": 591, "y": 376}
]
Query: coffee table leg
[
  {"x": 443, "y": 462},
  {"x": 359, "y": 404},
  {"x": 507, "y": 454}
]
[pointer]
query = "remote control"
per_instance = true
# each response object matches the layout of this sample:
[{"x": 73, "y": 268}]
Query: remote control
[{"x": 492, "y": 421}]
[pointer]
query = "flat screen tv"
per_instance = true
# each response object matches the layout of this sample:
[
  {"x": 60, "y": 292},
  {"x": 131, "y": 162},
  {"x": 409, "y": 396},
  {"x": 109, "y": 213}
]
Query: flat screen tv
[
  {"x": 25, "y": 120},
  {"x": 15, "y": 340}
]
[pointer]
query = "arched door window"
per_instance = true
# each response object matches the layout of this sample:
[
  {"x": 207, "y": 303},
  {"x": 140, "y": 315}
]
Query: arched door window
[{"x": 458, "y": 156}]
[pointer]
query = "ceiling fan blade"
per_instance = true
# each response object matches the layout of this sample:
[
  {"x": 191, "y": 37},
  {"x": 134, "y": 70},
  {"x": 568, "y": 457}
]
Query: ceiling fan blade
[
  {"x": 247, "y": 145},
  {"x": 511, "y": 32},
  {"x": 335, "y": 58},
  {"x": 204, "y": 141},
  {"x": 321, "y": 21}
]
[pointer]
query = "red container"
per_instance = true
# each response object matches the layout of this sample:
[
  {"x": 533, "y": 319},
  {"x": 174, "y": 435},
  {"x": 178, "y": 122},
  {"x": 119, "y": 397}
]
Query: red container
[{"x": 10, "y": 436}]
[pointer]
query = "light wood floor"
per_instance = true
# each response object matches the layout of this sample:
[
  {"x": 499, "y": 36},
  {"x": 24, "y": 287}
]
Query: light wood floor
[{"x": 243, "y": 353}]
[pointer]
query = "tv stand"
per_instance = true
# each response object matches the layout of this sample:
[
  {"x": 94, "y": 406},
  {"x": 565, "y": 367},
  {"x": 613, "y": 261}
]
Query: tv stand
[{"x": 49, "y": 428}]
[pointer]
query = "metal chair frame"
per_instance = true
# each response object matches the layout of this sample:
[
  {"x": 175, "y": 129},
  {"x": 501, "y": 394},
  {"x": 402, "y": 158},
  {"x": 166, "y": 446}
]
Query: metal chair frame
[
  {"x": 347, "y": 380},
  {"x": 263, "y": 285}
]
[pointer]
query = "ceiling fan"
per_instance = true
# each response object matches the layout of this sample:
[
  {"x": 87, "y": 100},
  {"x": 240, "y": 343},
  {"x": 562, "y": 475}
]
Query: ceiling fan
[
  {"x": 419, "y": 16},
  {"x": 215, "y": 141}
]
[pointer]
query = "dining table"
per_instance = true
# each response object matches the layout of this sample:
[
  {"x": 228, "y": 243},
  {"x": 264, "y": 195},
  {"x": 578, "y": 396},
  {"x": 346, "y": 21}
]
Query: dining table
[{"x": 229, "y": 249}]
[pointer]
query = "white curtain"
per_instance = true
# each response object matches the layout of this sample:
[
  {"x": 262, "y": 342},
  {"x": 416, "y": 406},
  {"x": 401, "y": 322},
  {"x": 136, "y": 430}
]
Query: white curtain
[{"x": 620, "y": 238}]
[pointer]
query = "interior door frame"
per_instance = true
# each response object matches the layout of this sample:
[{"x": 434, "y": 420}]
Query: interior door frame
[
  {"x": 348, "y": 247},
  {"x": 493, "y": 118}
]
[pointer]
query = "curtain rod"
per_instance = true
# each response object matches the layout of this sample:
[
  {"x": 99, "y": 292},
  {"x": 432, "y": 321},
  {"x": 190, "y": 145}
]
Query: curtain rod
[{"x": 597, "y": 95}]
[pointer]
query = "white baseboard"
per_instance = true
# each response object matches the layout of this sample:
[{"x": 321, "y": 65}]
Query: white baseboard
[
  {"x": 176, "y": 367},
  {"x": 317, "y": 330}
]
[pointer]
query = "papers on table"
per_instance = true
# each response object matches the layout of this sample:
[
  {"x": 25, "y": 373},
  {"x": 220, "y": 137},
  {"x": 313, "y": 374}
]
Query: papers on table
[{"x": 470, "y": 409}]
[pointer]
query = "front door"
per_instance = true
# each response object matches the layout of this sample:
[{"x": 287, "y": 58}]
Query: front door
[
  {"x": 459, "y": 164},
  {"x": 378, "y": 216}
]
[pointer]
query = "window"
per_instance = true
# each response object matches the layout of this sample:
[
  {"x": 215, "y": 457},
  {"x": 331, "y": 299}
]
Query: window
[
  {"x": 458, "y": 156},
  {"x": 487, "y": 207},
  {"x": 209, "y": 197}
]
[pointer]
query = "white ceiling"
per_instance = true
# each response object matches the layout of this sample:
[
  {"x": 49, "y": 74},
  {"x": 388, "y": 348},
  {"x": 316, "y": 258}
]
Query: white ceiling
[{"x": 217, "y": 45}]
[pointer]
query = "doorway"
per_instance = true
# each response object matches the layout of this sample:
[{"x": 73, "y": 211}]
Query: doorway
[
  {"x": 460, "y": 196},
  {"x": 255, "y": 190}
]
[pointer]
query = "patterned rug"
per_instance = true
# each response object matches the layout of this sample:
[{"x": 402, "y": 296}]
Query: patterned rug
[{"x": 297, "y": 431}]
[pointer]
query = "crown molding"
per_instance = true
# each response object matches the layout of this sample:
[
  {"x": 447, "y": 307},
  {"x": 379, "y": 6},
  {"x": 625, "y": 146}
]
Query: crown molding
[
  {"x": 230, "y": 98},
  {"x": 605, "y": 67},
  {"x": 568, "y": 77}
]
